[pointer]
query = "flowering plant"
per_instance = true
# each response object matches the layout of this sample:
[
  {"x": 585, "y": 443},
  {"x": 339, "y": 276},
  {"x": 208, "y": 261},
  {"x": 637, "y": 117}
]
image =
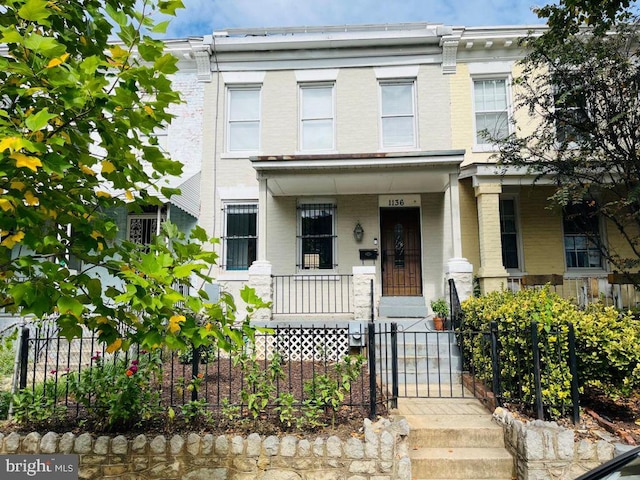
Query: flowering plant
[{"x": 119, "y": 393}]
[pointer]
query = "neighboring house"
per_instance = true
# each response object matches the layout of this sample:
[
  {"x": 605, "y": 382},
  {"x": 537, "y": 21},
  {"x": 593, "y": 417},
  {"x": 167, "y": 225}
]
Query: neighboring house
[{"x": 337, "y": 156}]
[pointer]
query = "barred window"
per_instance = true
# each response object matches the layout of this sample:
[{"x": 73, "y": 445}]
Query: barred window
[
  {"x": 142, "y": 228},
  {"x": 240, "y": 239},
  {"x": 316, "y": 239}
]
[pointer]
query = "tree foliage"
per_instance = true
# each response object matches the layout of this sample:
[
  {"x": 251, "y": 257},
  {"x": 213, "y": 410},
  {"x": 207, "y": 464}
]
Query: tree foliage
[
  {"x": 582, "y": 93},
  {"x": 83, "y": 86}
]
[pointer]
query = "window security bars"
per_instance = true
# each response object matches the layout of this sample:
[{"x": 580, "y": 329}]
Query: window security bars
[
  {"x": 241, "y": 236},
  {"x": 316, "y": 237}
]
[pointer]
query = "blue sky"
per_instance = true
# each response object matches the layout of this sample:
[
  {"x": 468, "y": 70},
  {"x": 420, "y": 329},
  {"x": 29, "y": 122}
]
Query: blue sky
[{"x": 204, "y": 16}]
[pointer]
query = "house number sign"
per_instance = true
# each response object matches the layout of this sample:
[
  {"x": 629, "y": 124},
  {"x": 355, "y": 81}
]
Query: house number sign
[{"x": 398, "y": 201}]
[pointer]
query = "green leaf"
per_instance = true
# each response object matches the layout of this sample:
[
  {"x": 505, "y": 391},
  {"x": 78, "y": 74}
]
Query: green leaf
[
  {"x": 39, "y": 120},
  {"x": 161, "y": 27},
  {"x": 167, "y": 64},
  {"x": 46, "y": 45},
  {"x": 68, "y": 305},
  {"x": 35, "y": 11},
  {"x": 10, "y": 35},
  {"x": 169, "y": 7}
]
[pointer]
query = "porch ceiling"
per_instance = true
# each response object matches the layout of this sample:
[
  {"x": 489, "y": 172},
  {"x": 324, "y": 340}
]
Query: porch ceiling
[{"x": 378, "y": 173}]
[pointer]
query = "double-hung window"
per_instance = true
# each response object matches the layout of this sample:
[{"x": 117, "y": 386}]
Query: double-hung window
[
  {"x": 491, "y": 110},
  {"x": 316, "y": 236},
  {"x": 509, "y": 234},
  {"x": 570, "y": 117},
  {"x": 581, "y": 237},
  {"x": 241, "y": 237},
  {"x": 317, "y": 125},
  {"x": 398, "y": 115},
  {"x": 243, "y": 127}
]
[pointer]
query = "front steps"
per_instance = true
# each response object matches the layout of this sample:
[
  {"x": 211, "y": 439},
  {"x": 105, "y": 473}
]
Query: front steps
[{"x": 454, "y": 439}]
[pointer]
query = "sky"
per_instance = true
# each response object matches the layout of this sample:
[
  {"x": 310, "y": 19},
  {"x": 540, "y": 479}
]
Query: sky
[{"x": 202, "y": 17}]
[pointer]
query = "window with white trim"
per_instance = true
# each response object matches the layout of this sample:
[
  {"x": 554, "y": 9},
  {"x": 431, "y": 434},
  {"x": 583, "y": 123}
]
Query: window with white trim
[
  {"x": 241, "y": 235},
  {"x": 243, "y": 119},
  {"x": 317, "y": 117},
  {"x": 582, "y": 238},
  {"x": 509, "y": 234},
  {"x": 398, "y": 116},
  {"x": 316, "y": 236},
  {"x": 491, "y": 109},
  {"x": 570, "y": 117}
]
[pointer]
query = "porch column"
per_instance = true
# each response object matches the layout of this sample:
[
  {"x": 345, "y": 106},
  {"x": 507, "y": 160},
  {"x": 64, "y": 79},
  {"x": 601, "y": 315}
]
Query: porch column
[
  {"x": 492, "y": 274},
  {"x": 263, "y": 197},
  {"x": 457, "y": 268},
  {"x": 260, "y": 279},
  {"x": 362, "y": 278}
]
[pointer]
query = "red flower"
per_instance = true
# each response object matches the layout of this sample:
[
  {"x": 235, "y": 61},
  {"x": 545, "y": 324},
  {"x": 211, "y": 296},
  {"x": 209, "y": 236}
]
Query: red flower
[
  {"x": 129, "y": 373},
  {"x": 133, "y": 369},
  {"x": 134, "y": 362}
]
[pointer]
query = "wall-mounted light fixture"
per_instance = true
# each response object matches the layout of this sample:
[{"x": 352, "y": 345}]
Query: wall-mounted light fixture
[{"x": 358, "y": 232}]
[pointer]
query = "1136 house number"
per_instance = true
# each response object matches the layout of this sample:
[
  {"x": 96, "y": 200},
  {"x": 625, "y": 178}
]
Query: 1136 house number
[{"x": 398, "y": 201}]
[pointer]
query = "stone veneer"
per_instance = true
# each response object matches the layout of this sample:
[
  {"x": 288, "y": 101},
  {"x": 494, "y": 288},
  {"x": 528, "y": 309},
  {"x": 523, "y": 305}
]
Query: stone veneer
[
  {"x": 382, "y": 454},
  {"x": 547, "y": 451}
]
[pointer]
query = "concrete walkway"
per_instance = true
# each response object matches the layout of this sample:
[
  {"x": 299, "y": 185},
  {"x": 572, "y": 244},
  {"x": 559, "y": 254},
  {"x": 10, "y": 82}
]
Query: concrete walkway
[{"x": 454, "y": 438}]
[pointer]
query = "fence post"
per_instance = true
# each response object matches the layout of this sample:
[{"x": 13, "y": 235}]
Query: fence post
[
  {"x": 195, "y": 370},
  {"x": 495, "y": 363},
  {"x": 573, "y": 368},
  {"x": 537, "y": 382},
  {"x": 24, "y": 357},
  {"x": 372, "y": 312},
  {"x": 394, "y": 365},
  {"x": 371, "y": 354}
]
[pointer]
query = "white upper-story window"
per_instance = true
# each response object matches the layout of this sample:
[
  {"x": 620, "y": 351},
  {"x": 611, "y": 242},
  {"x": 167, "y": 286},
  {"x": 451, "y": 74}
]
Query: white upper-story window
[
  {"x": 317, "y": 117},
  {"x": 491, "y": 109},
  {"x": 243, "y": 114},
  {"x": 398, "y": 113}
]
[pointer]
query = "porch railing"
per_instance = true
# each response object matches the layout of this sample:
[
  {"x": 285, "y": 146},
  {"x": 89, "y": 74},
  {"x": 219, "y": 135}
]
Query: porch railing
[
  {"x": 312, "y": 294},
  {"x": 610, "y": 289}
]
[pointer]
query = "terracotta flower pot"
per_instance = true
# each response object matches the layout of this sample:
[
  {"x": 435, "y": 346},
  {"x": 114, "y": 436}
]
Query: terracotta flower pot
[{"x": 438, "y": 323}]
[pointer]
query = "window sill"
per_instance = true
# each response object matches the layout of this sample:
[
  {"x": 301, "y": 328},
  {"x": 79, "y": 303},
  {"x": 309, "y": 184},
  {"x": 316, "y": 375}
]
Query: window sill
[
  {"x": 238, "y": 155},
  {"x": 585, "y": 272},
  {"x": 484, "y": 148},
  {"x": 234, "y": 275}
]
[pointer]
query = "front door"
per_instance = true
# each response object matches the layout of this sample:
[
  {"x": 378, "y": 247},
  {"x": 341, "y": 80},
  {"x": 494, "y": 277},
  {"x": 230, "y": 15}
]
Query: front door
[{"x": 401, "y": 252}]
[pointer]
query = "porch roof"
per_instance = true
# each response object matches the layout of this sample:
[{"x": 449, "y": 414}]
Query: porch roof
[{"x": 362, "y": 173}]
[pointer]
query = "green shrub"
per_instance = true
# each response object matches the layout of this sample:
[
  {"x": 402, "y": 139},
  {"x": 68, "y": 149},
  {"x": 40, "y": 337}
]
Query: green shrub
[
  {"x": 608, "y": 346},
  {"x": 514, "y": 313}
]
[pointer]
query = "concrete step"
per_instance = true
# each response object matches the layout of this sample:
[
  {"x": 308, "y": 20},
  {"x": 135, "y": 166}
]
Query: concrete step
[
  {"x": 402, "y": 307},
  {"x": 461, "y": 463},
  {"x": 430, "y": 431}
]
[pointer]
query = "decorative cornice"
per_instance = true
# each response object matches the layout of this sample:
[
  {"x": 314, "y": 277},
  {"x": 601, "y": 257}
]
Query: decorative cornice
[
  {"x": 203, "y": 65},
  {"x": 449, "y": 55}
]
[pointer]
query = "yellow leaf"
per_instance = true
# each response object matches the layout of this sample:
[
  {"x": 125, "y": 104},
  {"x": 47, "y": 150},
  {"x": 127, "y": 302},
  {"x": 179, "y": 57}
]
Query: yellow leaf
[
  {"x": 31, "y": 199},
  {"x": 11, "y": 240},
  {"x": 12, "y": 143},
  {"x": 100, "y": 246},
  {"x": 129, "y": 195},
  {"x": 95, "y": 235},
  {"x": 107, "y": 167},
  {"x": 66, "y": 137},
  {"x": 149, "y": 110},
  {"x": 22, "y": 160},
  {"x": 114, "y": 346},
  {"x": 174, "y": 323},
  {"x": 102, "y": 319},
  {"x": 54, "y": 62},
  {"x": 6, "y": 205},
  {"x": 103, "y": 194},
  {"x": 86, "y": 170},
  {"x": 17, "y": 185},
  {"x": 117, "y": 52}
]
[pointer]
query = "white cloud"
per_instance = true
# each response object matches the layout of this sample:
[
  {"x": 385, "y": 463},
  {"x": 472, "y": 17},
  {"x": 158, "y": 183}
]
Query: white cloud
[{"x": 204, "y": 16}]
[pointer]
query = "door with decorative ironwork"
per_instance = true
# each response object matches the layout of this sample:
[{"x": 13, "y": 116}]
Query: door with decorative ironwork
[{"x": 401, "y": 252}]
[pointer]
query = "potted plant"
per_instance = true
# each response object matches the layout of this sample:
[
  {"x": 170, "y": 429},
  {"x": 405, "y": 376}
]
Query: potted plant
[{"x": 440, "y": 312}]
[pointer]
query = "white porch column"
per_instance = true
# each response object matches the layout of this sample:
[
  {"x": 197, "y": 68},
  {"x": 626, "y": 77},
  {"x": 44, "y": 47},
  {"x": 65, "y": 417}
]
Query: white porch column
[
  {"x": 362, "y": 278},
  {"x": 263, "y": 197},
  {"x": 461, "y": 271},
  {"x": 454, "y": 208},
  {"x": 260, "y": 279}
]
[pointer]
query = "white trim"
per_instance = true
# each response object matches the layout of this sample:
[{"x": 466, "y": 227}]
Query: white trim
[
  {"x": 238, "y": 193},
  {"x": 414, "y": 91},
  {"x": 489, "y": 147},
  {"x": 317, "y": 75},
  {"x": 231, "y": 88},
  {"x": 231, "y": 78},
  {"x": 405, "y": 71},
  {"x": 490, "y": 68},
  {"x": 301, "y": 88}
]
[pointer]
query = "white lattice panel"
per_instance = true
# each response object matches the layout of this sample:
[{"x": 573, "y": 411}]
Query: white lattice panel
[{"x": 305, "y": 344}]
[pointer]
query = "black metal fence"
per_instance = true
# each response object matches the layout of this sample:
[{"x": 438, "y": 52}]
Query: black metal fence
[
  {"x": 312, "y": 294},
  {"x": 302, "y": 358}
]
